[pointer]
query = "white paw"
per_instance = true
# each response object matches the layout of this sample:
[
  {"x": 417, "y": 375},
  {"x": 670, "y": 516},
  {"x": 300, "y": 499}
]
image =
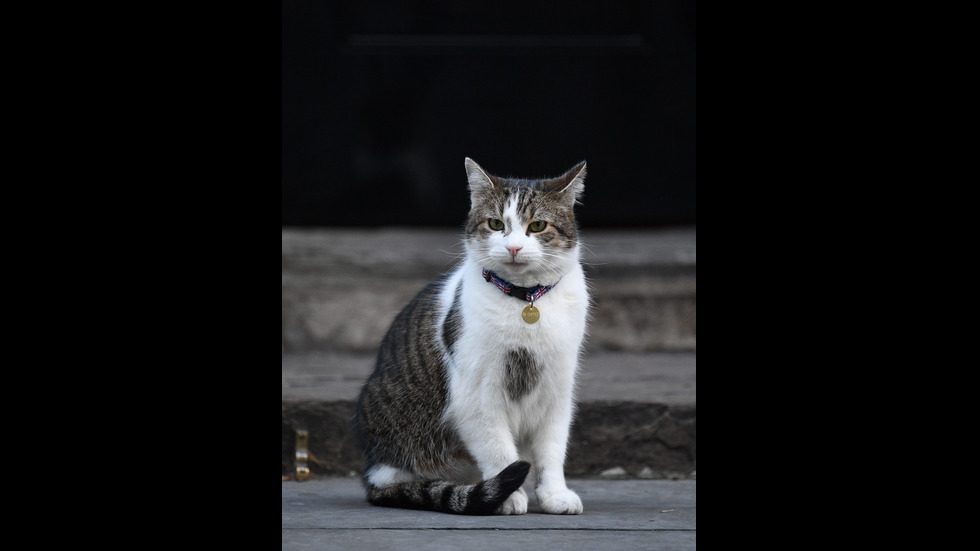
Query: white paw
[
  {"x": 562, "y": 502},
  {"x": 516, "y": 504}
]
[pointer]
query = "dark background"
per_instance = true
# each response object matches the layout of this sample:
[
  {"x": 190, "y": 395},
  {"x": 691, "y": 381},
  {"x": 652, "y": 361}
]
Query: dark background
[{"x": 382, "y": 100}]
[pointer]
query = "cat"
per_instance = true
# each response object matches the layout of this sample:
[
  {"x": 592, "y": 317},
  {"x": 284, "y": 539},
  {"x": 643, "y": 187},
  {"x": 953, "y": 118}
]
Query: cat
[{"x": 480, "y": 366}]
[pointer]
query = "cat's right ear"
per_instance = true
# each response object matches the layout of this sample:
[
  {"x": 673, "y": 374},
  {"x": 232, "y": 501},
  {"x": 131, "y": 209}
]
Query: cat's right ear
[{"x": 480, "y": 181}]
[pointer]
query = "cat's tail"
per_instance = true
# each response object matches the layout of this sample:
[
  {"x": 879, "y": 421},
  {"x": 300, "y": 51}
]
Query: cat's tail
[{"x": 482, "y": 498}]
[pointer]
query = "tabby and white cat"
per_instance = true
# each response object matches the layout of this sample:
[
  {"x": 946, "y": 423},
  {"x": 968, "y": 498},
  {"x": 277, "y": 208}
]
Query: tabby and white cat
[{"x": 479, "y": 368}]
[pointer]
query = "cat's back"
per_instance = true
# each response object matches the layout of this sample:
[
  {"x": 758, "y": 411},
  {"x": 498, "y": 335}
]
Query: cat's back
[
  {"x": 405, "y": 396},
  {"x": 410, "y": 347}
]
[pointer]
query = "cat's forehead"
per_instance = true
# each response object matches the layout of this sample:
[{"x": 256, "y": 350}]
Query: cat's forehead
[
  {"x": 518, "y": 185},
  {"x": 524, "y": 192},
  {"x": 518, "y": 201}
]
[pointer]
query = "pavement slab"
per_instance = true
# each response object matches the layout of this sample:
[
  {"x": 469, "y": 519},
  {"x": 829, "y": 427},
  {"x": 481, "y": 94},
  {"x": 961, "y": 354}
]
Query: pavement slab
[{"x": 332, "y": 513}]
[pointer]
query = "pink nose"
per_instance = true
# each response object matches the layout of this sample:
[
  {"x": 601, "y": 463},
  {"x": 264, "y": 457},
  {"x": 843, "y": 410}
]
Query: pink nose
[{"x": 514, "y": 250}]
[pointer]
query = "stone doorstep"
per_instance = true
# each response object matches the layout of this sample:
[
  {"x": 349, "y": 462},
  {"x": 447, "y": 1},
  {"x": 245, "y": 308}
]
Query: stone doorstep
[
  {"x": 648, "y": 301},
  {"x": 663, "y": 378},
  {"x": 422, "y": 251},
  {"x": 618, "y": 439},
  {"x": 636, "y": 412},
  {"x": 644, "y": 285},
  {"x": 629, "y": 313}
]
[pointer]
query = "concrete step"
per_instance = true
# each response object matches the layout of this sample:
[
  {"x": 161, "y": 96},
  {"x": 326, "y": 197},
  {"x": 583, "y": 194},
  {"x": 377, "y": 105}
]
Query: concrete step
[
  {"x": 637, "y": 395},
  {"x": 342, "y": 287},
  {"x": 636, "y": 417}
]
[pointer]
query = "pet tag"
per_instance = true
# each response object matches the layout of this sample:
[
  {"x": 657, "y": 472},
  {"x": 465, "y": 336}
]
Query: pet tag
[{"x": 531, "y": 314}]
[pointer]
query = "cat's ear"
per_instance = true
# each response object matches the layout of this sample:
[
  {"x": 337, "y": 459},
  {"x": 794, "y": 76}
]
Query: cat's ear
[
  {"x": 480, "y": 181},
  {"x": 570, "y": 185}
]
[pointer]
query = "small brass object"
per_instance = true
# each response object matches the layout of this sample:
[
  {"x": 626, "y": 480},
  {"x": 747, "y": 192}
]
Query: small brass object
[
  {"x": 302, "y": 455},
  {"x": 531, "y": 314}
]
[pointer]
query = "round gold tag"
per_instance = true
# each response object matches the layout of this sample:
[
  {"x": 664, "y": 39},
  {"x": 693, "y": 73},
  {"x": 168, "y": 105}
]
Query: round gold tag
[{"x": 531, "y": 314}]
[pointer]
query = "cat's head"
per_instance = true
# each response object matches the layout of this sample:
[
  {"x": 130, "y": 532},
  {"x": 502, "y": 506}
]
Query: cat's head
[{"x": 524, "y": 230}]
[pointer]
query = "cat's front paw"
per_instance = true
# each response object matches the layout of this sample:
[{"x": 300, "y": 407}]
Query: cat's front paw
[
  {"x": 562, "y": 502},
  {"x": 516, "y": 504}
]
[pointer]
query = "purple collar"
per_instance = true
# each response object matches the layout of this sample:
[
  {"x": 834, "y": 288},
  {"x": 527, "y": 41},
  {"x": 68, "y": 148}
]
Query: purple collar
[{"x": 530, "y": 294}]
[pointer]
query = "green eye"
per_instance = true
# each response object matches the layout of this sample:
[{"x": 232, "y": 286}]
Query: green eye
[
  {"x": 537, "y": 226},
  {"x": 495, "y": 225}
]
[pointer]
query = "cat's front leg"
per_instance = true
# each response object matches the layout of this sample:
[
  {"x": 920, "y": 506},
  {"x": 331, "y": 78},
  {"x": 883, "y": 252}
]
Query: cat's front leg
[
  {"x": 493, "y": 453},
  {"x": 560, "y": 502},
  {"x": 553, "y": 495},
  {"x": 488, "y": 455},
  {"x": 548, "y": 450},
  {"x": 516, "y": 504},
  {"x": 490, "y": 442}
]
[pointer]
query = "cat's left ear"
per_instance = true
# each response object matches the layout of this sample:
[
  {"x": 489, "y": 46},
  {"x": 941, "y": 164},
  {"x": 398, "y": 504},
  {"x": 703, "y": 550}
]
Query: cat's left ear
[
  {"x": 571, "y": 184},
  {"x": 480, "y": 182}
]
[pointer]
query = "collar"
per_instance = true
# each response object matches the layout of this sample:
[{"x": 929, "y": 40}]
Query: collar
[{"x": 529, "y": 294}]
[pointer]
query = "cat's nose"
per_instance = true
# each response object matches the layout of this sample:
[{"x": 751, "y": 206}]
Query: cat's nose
[{"x": 514, "y": 250}]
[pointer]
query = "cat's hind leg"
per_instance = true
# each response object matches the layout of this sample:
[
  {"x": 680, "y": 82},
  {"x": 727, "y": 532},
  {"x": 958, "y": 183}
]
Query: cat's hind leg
[{"x": 382, "y": 475}]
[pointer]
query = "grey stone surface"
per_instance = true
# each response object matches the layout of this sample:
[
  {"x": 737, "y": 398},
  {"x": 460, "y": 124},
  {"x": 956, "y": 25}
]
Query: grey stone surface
[
  {"x": 324, "y": 375},
  {"x": 332, "y": 513},
  {"x": 636, "y": 412},
  {"x": 645, "y": 440},
  {"x": 637, "y": 388},
  {"x": 667, "y": 378},
  {"x": 341, "y": 288},
  {"x": 487, "y": 540}
]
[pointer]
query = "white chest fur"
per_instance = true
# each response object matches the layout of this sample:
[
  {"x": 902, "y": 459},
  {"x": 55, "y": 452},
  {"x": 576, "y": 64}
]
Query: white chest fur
[
  {"x": 493, "y": 331},
  {"x": 497, "y": 317}
]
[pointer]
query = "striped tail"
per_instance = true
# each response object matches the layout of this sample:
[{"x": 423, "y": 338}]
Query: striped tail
[{"x": 437, "y": 495}]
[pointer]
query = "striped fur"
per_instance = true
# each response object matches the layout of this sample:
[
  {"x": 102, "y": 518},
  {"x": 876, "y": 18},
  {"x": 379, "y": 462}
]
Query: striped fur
[
  {"x": 463, "y": 389},
  {"x": 482, "y": 498}
]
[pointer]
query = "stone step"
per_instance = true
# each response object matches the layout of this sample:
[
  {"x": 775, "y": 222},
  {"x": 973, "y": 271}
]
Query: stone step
[
  {"x": 637, "y": 408},
  {"x": 636, "y": 416},
  {"x": 342, "y": 287}
]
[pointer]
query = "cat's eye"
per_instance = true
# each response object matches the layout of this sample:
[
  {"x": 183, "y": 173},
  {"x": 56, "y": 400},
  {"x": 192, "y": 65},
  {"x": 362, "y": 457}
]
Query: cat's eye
[
  {"x": 537, "y": 226},
  {"x": 495, "y": 225}
]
